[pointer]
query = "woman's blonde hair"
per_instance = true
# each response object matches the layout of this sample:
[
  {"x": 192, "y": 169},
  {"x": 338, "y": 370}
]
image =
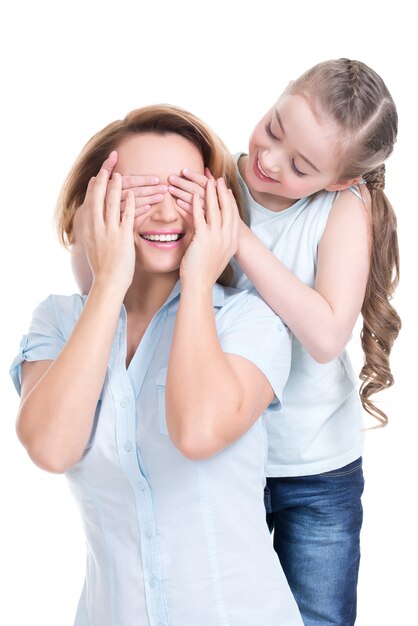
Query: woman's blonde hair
[
  {"x": 357, "y": 99},
  {"x": 161, "y": 119}
]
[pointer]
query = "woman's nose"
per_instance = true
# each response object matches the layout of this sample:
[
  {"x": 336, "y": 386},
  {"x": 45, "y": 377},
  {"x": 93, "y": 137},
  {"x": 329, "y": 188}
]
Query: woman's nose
[{"x": 166, "y": 210}]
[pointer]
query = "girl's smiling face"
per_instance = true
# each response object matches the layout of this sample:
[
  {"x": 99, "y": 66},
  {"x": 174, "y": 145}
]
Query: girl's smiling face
[
  {"x": 292, "y": 154},
  {"x": 163, "y": 234}
]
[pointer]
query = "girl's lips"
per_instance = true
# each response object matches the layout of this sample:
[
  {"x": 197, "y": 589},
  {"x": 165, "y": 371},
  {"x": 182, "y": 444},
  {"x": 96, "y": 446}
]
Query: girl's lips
[{"x": 260, "y": 174}]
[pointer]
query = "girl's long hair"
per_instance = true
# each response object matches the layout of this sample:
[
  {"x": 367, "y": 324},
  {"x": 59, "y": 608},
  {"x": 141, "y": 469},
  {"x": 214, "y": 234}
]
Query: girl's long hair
[{"x": 357, "y": 99}]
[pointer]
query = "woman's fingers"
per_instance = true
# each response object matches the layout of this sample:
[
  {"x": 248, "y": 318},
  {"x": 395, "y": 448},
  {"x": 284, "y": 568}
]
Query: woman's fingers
[
  {"x": 128, "y": 216},
  {"x": 213, "y": 216},
  {"x": 198, "y": 213},
  {"x": 112, "y": 203},
  {"x": 95, "y": 197},
  {"x": 110, "y": 162}
]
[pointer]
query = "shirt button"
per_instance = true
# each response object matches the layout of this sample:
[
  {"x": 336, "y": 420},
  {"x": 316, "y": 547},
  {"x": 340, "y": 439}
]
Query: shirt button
[
  {"x": 148, "y": 533},
  {"x": 141, "y": 486},
  {"x": 124, "y": 402},
  {"x": 153, "y": 582},
  {"x": 128, "y": 446}
]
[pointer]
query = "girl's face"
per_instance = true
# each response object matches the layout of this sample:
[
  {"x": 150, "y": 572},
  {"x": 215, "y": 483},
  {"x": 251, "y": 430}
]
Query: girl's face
[
  {"x": 292, "y": 154},
  {"x": 163, "y": 234}
]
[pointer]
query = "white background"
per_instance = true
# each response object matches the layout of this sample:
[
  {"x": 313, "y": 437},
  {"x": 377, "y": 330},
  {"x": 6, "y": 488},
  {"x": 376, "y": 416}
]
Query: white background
[{"x": 70, "y": 68}]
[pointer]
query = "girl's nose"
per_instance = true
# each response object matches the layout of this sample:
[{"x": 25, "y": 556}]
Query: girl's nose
[{"x": 271, "y": 161}]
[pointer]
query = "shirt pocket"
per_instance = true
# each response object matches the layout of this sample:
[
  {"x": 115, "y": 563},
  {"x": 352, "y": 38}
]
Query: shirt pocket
[{"x": 161, "y": 380}]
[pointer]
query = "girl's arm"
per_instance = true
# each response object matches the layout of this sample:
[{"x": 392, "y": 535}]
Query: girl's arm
[
  {"x": 212, "y": 398},
  {"x": 59, "y": 397},
  {"x": 323, "y": 317}
]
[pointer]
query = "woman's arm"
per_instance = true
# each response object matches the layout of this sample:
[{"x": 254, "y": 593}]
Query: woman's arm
[
  {"x": 147, "y": 190},
  {"x": 321, "y": 318},
  {"x": 212, "y": 398},
  {"x": 59, "y": 398}
]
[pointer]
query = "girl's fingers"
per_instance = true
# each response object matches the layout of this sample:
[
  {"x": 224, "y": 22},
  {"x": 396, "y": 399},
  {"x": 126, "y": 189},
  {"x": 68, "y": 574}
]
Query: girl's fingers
[
  {"x": 142, "y": 210},
  {"x": 184, "y": 189},
  {"x": 142, "y": 192},
  {"x": 208, "y": 173},
  {"x": 193, "y": 176},
  {"x": 143, "y": 205},
  {"x": 213, "y": 216},
  {"x": 131, "y": 182},
  {"x": 186, "y": 206},
  {"x": 186, "y": 196}
]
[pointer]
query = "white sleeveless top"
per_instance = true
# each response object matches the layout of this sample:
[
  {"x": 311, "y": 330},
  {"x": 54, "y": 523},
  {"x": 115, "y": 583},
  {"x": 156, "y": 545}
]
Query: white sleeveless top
[{"x": 320, "y": 427}]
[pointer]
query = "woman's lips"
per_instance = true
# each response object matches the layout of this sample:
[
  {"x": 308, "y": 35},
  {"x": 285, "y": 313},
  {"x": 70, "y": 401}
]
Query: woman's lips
[
  {"x": 260, "y": 174},
  {"x": 166, "y": 240}
]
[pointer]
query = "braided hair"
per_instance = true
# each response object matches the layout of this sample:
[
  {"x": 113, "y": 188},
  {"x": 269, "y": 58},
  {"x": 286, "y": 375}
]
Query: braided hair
[{"x": 357, "y": 99}]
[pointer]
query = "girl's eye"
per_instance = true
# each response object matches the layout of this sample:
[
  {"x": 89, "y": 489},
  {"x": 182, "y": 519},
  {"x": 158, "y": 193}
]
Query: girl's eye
[
  {"x": 295, "y": 169},
  {"x": 269, "y": 131}
]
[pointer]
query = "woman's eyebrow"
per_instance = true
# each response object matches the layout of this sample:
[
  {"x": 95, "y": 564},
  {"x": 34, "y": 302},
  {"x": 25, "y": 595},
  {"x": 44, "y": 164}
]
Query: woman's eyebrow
[{"x": 279, "y": 120}]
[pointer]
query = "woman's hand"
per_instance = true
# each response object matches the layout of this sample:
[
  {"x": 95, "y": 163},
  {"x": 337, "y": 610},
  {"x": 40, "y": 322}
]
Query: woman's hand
[
  {"x": 216, "y": 236},
  {"x": 108, "y": 237},
  {"x": 184, "y": 187}
]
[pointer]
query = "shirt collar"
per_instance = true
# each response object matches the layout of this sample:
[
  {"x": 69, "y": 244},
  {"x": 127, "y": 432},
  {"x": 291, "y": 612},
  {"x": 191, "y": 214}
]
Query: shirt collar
[{"x": 218, "y": 294}]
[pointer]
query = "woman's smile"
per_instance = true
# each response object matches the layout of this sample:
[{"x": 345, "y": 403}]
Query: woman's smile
[{"x": 163, "y": 239}]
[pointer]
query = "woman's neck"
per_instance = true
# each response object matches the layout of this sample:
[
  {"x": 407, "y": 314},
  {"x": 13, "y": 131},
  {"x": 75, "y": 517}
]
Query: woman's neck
[
  {"x": 144, "y": 298},
  {"x": 148, "y": 292}
]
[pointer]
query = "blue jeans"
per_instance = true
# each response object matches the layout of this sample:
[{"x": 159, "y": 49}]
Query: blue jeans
[{"x": 316, "y": 521}]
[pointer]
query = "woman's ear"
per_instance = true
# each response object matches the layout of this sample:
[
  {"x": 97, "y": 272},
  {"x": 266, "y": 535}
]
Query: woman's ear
[{"x": 343, "y": 184}]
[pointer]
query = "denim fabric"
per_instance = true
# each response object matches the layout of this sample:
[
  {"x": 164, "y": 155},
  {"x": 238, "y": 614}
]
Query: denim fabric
[{"x": 316, "y": 521}]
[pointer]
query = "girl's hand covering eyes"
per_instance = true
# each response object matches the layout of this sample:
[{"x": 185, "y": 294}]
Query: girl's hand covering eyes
[
  {"x": 184, "y": 187},
  {"x": 216, "y": 236}
]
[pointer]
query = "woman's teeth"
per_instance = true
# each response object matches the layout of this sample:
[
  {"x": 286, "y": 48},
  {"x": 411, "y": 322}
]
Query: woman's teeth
[{"x": 170, "y": 237}]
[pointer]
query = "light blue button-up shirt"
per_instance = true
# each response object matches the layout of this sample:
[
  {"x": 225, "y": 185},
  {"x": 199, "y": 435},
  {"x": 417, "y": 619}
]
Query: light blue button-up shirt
[{"x": 171, "y": 541}]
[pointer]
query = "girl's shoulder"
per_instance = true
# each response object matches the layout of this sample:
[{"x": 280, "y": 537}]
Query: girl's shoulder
[{"x": 356, "y": 199}]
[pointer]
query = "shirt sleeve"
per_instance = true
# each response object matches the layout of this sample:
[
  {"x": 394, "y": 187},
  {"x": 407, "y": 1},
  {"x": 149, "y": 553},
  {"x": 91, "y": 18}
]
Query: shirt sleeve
[
  {"x": 43, "y": 342},
  {"x": 256, "y": 333}
]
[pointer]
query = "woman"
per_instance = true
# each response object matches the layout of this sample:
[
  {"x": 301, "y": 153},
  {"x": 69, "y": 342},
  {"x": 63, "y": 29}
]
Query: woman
[{"x": 150, "y": 402}]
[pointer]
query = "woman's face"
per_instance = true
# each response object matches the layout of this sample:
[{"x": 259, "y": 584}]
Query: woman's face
[{"x": 163, "y": 234}]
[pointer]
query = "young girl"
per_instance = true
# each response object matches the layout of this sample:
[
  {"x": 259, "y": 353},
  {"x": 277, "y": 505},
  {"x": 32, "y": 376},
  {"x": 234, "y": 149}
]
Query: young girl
[
  {"x": 153, "y": 462},
  {"x": 320, "y": 247}
]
